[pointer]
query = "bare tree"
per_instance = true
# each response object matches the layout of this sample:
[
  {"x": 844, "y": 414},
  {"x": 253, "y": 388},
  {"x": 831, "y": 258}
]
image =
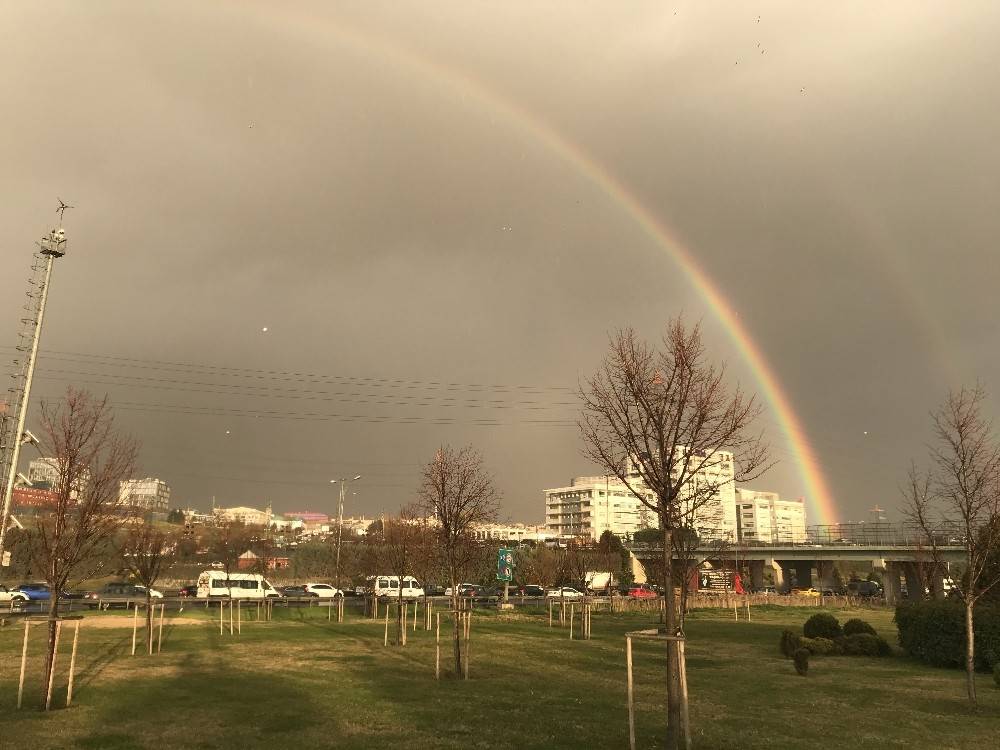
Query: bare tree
[
  {"x": 665, "y": 423},
  {"x": 458, "y": 493},
  {"x": 71, "y": 541},
  {"x": 426, "y": 558},
  {"x": 147, "y": 553},
  {"x": 960, "y": 493}
]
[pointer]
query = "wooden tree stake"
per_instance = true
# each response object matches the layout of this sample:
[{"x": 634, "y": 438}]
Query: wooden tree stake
[
  {"x": 24, "y": 659},
  {"x": 631, "y": 705},
  {"x": 72, "y": 665},
  {"x": 159, "y": 637},
  {"x": 385, "y": 641},
  {"x": 52, "y": 674},
  {"x": 437, "y": 656},
  {"x": 135, "y": 626}
]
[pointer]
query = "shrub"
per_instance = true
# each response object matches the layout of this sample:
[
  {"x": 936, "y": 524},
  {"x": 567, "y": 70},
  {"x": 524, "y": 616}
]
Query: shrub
[
  {"x": 818, "y": 646},
  {"x": 933, "y": 631},
  {"x": 822, "y": 625},
  {"x": 884, "y": 649},
  {"x": 801, "y": 659},
  {"x": 861, "y": 644},
  {"x": 858, "y": 626},
  {"x": 788, "y": 643}
]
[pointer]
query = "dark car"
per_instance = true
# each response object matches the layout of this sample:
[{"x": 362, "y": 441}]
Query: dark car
[
  {"x": 294, "y": 591},
  {"x": 528, "y": 590},
  {"x": 433, "y": 589},
  {"x": 488, "y": 596},
  {"x": 190, "y": 590},
  {"x": 120, "y": 594}
]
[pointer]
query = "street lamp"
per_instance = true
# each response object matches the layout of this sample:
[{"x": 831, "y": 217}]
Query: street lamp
[{"x": 340, "y": 519}]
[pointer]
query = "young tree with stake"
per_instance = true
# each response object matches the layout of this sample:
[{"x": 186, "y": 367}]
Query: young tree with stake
[
  {"x": 658, "y": 419},
  {"x": 960, "y": 493},
  {"x": 147, "y": 553},
  {"x": 458, "y": 492},
  {"x": 73, "y": 539}
]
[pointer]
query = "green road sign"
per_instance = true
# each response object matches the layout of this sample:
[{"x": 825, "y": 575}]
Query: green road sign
[{"x": 505, "y": 564}]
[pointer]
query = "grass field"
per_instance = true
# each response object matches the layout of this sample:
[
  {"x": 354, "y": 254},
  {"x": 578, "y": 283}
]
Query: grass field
[{"x": 302, "y": 682}]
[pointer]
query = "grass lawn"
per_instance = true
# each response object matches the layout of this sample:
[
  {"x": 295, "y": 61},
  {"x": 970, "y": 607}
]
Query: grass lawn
[{"x": 304, "y": 683}]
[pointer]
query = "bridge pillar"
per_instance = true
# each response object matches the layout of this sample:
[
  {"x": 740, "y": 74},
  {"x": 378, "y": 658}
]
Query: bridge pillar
[
  {"x": 914, "y": 583},
  {"x": 756, "y": 574},
  {"x": 825, "y": 570},
  {"x": 780, "y": 579},
  {"x": 803, "y": 574},
  {"x": 890, "y": 583},
  {"x": 936, "y": 576}
]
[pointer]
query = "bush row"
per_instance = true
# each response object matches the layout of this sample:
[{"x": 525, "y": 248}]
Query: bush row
[
  {"x": 934, "y": 632},
  {"x": 856, "y": 644}
]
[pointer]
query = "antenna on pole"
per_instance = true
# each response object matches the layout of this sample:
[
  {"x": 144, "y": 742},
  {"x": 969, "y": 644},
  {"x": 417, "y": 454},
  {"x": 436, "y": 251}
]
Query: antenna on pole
[{"x": 63, "y": 205}]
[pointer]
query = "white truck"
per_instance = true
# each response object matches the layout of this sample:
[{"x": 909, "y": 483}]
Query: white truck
[
  {"x": 389, "y": 586},
  {"x": 599, "y": 581}
]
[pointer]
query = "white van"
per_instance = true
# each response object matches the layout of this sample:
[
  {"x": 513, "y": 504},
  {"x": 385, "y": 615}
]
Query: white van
[
  {"x": 389, "y": 586},
  {"x": 215, "y": 583}
]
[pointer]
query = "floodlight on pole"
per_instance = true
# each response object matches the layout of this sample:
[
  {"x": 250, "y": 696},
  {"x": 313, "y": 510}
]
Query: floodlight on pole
[
  {"x": 340, "y": 519},
  {"x": 51, "y": 246}
]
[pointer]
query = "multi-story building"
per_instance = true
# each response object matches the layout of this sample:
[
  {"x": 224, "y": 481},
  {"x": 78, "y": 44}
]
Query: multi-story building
[
  {"x": 592, "y": 505},
  {"x": 244, "y": 515},
  {"x": 765, "y": 517},
  {"x": 510, "y": 532},
  {"x": 43, "y": 472},
  {"x": 713, "y": 489},
  {"x": 149, "y": 494}
]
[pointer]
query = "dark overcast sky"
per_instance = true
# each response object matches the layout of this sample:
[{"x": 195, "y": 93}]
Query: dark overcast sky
[{"x": 833, "y": 167}]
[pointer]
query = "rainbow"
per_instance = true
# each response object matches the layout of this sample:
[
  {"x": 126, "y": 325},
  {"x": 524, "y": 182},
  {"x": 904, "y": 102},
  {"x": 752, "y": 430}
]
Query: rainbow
[{"x": 471, "y": 90}]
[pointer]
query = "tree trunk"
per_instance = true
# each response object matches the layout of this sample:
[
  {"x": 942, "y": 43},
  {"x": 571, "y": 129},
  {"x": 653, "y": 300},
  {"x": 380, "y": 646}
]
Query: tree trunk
[
  {"x": 970, "y": 650},
  {"x": 399, "y": 615},
  {"x": 50, "y": 646},
  {"x": 675, "y": 732}
]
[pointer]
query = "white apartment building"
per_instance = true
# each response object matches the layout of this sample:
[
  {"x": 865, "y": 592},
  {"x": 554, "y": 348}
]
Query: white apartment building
[
  {"x": 244, "y": 515},
  {"x": 149, "y": 493},
  {"x": 765, "y": 517},
  {"x": 511, "y": 532},
  {"x": 44, "y": 470},
  {"x": 592, "y": 505},
  {"x": 715, "y": 518}
]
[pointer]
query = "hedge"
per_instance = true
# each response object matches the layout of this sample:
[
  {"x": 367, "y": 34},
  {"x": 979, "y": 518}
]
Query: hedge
[
  {"x": 933, "y": 631},
  {"x": 822, "y": 625}
]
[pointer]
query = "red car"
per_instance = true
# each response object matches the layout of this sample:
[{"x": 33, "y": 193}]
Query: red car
[
  {"x": 642, "y": 591},
  {"x": 188, "y": 591}
]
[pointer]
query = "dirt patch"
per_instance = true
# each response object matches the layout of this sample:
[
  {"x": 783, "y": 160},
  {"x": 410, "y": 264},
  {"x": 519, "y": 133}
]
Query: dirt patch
[{"x": 110, "y": 621}]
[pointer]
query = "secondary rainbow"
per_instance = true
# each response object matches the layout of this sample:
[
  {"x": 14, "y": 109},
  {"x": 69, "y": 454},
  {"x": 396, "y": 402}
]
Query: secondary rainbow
[{"x": 469, "y": 89}]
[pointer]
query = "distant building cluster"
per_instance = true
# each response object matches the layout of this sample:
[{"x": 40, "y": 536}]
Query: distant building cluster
[
  {"x": 149, "y": 494},
  {"x": 589, "y": 506}
]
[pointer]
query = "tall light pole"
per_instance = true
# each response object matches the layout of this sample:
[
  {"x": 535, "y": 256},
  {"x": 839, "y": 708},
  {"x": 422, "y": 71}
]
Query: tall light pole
[
  {"x": 340, "y": 519},
  {"x": 52, "y": 246}
]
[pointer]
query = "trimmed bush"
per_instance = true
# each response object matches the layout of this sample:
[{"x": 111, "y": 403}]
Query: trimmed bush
[
  {"x": 884, "y": 649},
  {"x": 801, "y": 659},
  {"x": 818, "y": 646},
  {"x": 933, "y": 631},
  {"x": 822, "y": 625},
  {"x": 861, "y": 644},
  {"x": 788, "y": 643},
  {"x": 858, "y": 626}
]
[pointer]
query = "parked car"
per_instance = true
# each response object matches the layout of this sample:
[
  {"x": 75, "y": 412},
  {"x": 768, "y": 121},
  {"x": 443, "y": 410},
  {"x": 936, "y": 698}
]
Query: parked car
[
  {"x": 121, "y": 593},
  {"x": 527, "y": 590},
  {"x": 7, "y": 596},
  {"x": 642, "y": 591},
  {"x": 463, "y": 589},
  {"x": 35, "y": 591},
  {"x": 805, "y": 592},
  {"x": 294, "y": 591},
  {"x": 323, "y": 590},
  {"x": 190, "y": 590},
  {"x": 566, "y": 592},
  {"x": 488, "y": 596},
  {"x": 434, "y": 589}
]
